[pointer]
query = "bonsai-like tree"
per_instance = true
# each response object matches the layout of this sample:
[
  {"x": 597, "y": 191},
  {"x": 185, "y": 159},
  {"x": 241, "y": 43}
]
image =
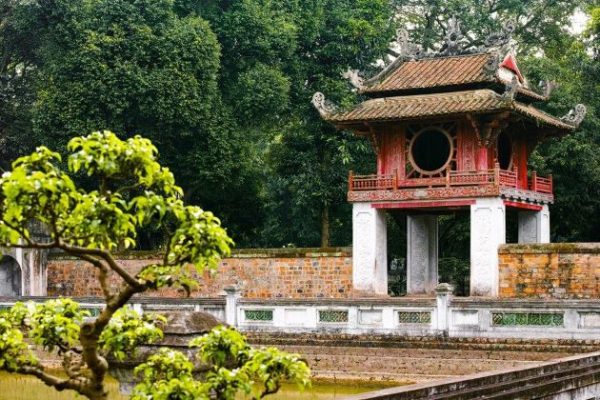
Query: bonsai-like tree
[{"x": 132, "y": 192}]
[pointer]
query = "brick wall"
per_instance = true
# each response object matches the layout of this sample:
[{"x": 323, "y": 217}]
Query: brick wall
[
  {"x": 264, "y": 273},
  {"x": 559, "y": 270}
]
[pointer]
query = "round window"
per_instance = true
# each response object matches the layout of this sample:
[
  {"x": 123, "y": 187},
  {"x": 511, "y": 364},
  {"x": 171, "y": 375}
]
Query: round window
[
  {"x": 431, "y": 150},
  {"x": 504, "y": 149}
]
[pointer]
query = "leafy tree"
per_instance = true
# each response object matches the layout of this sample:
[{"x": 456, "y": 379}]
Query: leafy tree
[
  {"x": 128, "y": 66},
  {"x": 573, "y": 160},
  {"x": 538, "y": 23},
  {"x": 310, "y": 44},
  {"x": 132, "y": 191}
]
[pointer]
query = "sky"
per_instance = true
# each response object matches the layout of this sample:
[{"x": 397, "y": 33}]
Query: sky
[{"x": 579, "y": 22}]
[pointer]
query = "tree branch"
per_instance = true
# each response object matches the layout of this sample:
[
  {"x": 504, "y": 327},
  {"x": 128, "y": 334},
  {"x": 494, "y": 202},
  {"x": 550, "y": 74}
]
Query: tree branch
[
  {"x": 77, "y": 384},
  {"x": 106, "y": 256},
  {"x": 102, "y": 277},
  {"x": 91, "y": 331}
]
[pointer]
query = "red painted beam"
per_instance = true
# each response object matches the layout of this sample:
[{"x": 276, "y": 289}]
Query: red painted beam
[
  {"x": 425, "y": 204},
  {"x": 524, "y": 206}
]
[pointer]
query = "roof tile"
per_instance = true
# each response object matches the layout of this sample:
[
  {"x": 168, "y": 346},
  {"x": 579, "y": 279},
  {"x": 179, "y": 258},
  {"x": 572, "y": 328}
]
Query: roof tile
[
  {"x": 440, "y": 72},
  {"x": 440, "y": 104},
  {"x": 435, "y": 72}
]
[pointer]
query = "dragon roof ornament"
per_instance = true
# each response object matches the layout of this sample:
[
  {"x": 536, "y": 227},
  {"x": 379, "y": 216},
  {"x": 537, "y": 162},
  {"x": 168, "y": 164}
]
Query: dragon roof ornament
[
  {"x": 401, "y": 49},
  {"x": 323, "y": 106},
  {"x": 575, "y": 116},
  {"x": 455, "y": 43},
  {"x": 511, "y": 89},
  {"x": 353, "y": 75}
]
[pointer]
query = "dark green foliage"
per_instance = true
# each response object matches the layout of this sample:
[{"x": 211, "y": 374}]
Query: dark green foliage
[{"x": 223, "y": 88}]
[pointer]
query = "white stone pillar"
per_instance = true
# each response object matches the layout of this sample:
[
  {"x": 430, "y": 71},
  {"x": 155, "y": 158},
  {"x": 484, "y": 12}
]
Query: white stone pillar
[
  {"x": 488, "y": 232},
  {"x": 443, "y": 297},
  {"x": 422, "y": 254},
  {"x": 534, "y": 226},
  {"x": 369, "y": 249},
  {"x": 232, "y": 294}
]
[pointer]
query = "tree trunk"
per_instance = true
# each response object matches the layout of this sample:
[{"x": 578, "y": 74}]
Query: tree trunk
[{"x": 325, "y": 226}]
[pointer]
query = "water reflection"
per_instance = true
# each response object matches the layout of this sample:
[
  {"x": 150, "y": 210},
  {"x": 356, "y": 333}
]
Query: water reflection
[{"x": 18, "y": 387}]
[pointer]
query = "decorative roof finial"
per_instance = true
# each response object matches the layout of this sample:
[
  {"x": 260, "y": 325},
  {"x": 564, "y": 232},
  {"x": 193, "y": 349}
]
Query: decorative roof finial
[
  {"x": 353, "y": 75},
  {"x": 492, "y": 64},
  {"x": 510, "y": 90},
  {"x": 547, "y": 87},
  {"x": 452, "y": 47},
  {"x": 323, "y": 106},
  {"x": 502, "y": 38},
  {"x": 575, "y": 116},
  {"x": 402, "y": 46}
]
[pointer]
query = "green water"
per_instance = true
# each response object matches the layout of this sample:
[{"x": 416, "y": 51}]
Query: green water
[{"x": 18, "y": 387}]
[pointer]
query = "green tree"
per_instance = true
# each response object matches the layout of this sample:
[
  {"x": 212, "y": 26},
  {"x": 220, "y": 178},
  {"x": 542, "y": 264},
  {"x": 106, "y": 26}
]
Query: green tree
[
  {"x": 307, "y": 45},
  {"x": 573, "y": 160},
  {"x": 132, "y": 191},
  {"x": 129, "y": 66},
  {"x": 538, "y": 23},
  {"x": 547, "y": 51}
]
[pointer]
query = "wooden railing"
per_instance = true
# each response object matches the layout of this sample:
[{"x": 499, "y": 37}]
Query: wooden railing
[
  {"x": 539, "y": 184},
  {"x": 496, "y": 176}
]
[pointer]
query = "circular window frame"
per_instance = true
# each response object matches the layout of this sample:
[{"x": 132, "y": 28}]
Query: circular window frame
[{"x": 450, "y": 150}]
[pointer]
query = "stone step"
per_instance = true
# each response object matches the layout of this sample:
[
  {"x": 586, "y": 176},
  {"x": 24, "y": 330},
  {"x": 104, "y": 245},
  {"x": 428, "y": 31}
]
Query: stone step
[{"x": 558, "y": 379}]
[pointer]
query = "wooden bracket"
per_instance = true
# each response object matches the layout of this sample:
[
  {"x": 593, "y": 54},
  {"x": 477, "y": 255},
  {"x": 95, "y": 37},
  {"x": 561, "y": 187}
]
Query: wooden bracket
[
  {"x": 487, "y": 132},
  {"x": 373, "y": 139}
]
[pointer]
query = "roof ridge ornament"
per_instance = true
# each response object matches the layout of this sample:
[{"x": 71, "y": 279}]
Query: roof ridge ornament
[
  {"x": 510, "y": 89},
  {"x": 353, "y": 75},
  {"x": 503, "y": 38},
  {"x": 547, "y": 87},
  {"x": 493, "y": 63},
  {"x": 454, "y": 36},
  {"x": 401, "y": 46},
  {"x": 323, "y": 106},
  {"x": 575, "y": 116}
]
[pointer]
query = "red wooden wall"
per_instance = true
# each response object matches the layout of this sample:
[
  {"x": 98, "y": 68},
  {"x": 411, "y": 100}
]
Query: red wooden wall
[{"x": 391, "y": 145}]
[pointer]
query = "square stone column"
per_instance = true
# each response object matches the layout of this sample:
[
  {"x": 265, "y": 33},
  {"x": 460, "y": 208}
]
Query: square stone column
[
  {"x": 369, "y": 249},
  {"x": 422, "y": 254},
  {"x": 534, "y": 226},
  {"x": 488, "y": 232}
]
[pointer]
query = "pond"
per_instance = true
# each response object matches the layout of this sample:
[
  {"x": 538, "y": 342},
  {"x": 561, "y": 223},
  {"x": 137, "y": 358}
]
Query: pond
[{"x": 18, "y": 387}]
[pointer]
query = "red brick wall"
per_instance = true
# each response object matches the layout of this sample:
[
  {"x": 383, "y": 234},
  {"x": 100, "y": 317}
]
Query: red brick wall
[
  {"x": 287, "y": 273},
  {"x": 560, "y": 270}
]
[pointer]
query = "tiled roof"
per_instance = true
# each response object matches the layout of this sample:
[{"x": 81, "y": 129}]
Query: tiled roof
[
  {"x": 434, "y": 72},
  {"x": 441, "y": 104},
  {"x": 440, "y": 72}
]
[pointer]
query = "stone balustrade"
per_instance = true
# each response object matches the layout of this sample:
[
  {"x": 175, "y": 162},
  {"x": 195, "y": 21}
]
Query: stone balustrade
[{"x": 442, "y": 315}]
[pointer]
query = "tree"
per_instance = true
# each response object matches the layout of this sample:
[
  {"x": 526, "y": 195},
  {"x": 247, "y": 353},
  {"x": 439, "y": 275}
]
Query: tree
[
  {"x": 573, "y": 160},
  {"x": 132, "y": 191},
  {"x": 223, "y": 88},
  {"x": 127, "y": 66},
  {"x": 539, "y": 24},
  {"x": 307, "y": 45}
]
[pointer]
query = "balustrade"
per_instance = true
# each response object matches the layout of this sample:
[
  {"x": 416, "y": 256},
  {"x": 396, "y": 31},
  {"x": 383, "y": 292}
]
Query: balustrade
[{"x": 496, "y": 176}]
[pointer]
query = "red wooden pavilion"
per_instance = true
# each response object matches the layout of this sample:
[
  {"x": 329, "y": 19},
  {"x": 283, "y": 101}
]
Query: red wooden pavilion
[{"x": 451, "y": 131}]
